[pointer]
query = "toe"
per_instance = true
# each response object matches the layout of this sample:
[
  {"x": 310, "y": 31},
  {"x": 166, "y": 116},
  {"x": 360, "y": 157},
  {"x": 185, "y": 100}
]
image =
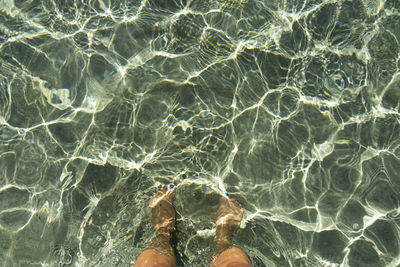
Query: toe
[
  {"x": 233, "y": 202},
  {"x": 164, "y": 189},
  {"x": 236, "y": 203},
  {"x": 165, "y": 193},
  {"x": 170, "y": 191}
]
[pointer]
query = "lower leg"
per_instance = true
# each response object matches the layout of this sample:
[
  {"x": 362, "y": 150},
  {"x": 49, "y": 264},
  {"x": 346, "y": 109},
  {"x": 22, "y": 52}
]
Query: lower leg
[
  {"x": 231, "y": 257},
  {"x": 229, "y": 215},
  {"x": 160, "y": 253}
]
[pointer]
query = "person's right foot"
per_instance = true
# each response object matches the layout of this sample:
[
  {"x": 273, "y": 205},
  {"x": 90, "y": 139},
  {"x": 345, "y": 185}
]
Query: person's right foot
[{"x": 229, "y": 215}]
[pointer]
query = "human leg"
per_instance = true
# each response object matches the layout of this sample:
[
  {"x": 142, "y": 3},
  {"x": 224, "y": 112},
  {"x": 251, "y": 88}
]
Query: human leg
[
  {"x": 229, "y": 215},
  {"x": 160, "y": 253}
]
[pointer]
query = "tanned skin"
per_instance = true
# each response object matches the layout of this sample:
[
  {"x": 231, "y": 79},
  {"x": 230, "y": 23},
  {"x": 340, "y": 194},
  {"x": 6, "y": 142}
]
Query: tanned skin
[{"x": 160, "y": 253}]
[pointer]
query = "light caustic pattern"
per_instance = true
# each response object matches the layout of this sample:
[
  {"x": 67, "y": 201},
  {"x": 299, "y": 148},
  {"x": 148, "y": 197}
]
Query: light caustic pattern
[{"x": 290, "y": 106}]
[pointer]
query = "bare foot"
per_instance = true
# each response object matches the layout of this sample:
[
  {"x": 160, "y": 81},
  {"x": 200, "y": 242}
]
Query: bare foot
[
  {"x": 229, "y": 215},
  {"x": 162, "y": 211}
]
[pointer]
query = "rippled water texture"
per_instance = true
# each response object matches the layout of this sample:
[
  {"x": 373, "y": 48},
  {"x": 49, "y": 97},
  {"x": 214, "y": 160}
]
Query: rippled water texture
[{"x": 293, "y": 107}]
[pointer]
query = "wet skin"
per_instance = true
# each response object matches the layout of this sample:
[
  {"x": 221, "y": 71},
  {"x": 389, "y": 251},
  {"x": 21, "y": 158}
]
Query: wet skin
[{"x": 160, "y": 253}]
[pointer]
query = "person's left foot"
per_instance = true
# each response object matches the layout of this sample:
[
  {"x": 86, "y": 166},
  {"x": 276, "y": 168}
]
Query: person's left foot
[{"x": 162, "y": 211}]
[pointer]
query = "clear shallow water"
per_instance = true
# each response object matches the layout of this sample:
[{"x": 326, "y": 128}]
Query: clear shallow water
[{"x": 291, "y": 106}]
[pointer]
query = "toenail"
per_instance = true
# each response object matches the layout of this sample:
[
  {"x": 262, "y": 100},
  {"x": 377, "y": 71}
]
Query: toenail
[
  {"x": 171, "y": 186},
  {"x": 226, "y": 194}
]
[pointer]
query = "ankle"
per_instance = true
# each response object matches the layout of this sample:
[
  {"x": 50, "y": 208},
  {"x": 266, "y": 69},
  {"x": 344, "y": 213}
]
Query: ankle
[
  {"x": 161, "y": 244},
  {"x": 222, "y": 245},
  {"x": 223, "y": 240},
  {"x": 224, "y": 236},
  {"x": 165, "y": 232}
]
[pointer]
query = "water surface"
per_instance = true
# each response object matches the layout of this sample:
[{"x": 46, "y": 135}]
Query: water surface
[{"x": 293, "y": 107}]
